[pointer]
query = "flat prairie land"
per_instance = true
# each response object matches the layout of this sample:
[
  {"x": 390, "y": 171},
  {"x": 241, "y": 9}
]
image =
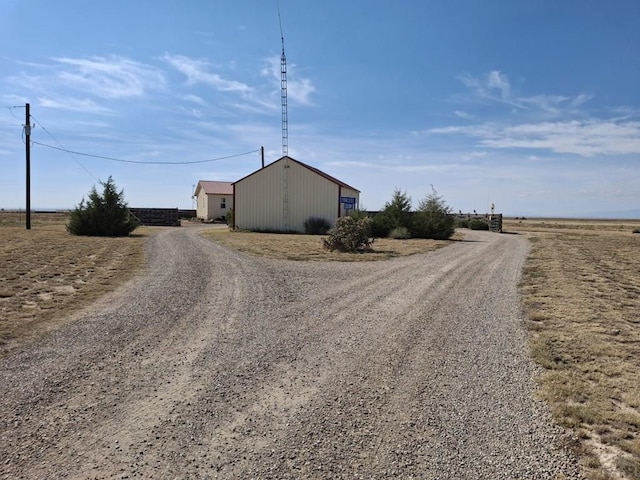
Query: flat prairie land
[
  {"x": 46, "y": 273},
  {"x": 581, "y": 296},
  {"x": 580, "y": 291}
]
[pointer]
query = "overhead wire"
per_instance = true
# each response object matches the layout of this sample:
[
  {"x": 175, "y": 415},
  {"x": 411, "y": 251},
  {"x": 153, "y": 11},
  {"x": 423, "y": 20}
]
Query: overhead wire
[
  {"x": 10, "y": 108},
  {"x": 143, "y": 162},
  {"x": 62, "y": 146},
  {"x": 72, "y": 153}
]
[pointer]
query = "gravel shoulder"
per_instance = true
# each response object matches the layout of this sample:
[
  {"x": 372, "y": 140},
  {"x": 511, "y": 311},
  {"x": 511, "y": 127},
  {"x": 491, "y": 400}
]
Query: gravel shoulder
[{"x": 214, "y": 364}]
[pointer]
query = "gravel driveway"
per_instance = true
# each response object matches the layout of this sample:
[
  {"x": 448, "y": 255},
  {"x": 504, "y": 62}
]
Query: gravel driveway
[{"x": 214, "y": 364}]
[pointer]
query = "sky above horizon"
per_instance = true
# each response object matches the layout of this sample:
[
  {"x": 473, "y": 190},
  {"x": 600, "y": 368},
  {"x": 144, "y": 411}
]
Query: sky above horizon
[{"x": 531, "y": 106}]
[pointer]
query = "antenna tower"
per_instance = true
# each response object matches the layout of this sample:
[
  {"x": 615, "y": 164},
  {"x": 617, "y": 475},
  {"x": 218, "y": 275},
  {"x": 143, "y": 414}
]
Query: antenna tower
[
  {"x": 285, "y": 132},
  {"x": 283, "y": 92}
]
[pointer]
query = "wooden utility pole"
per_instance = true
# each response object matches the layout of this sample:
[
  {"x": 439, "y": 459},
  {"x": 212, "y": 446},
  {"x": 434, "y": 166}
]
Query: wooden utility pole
[{"x": 27, "y": 144}]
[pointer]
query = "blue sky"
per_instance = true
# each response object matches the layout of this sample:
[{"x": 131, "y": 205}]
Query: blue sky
[{"x": 531, "y": 105}]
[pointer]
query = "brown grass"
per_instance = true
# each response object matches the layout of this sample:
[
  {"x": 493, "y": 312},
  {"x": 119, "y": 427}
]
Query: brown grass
[
  {"x": 46, "y": 273},
  {"x": 310, "y": 248},
  {"x": 581, "y": 292}
]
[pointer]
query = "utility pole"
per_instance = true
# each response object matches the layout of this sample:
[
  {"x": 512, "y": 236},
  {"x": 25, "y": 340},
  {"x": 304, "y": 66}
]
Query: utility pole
[{"x": 27, "y": 144}]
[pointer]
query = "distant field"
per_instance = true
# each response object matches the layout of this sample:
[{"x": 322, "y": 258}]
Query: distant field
[
  {"x": 581, "y": 294},
  {"x": 580, "y": 288}
]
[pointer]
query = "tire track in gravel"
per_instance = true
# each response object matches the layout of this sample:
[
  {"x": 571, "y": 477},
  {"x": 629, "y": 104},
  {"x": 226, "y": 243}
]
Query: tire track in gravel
[{"x": 219, "y": 365}]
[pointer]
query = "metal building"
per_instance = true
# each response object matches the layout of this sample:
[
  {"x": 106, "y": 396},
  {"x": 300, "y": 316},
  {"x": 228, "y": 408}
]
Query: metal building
[{"x": 285, "y": 193}]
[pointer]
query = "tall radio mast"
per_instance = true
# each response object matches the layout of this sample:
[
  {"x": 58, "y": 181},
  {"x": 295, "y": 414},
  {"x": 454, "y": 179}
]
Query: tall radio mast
[{"x": 283, "y": 92}]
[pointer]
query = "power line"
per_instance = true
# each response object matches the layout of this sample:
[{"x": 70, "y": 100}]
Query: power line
[
  {"x": 62, "y": 146},
  {"x": 102, "y": 157},
  {"x": 10, "y": 108}
]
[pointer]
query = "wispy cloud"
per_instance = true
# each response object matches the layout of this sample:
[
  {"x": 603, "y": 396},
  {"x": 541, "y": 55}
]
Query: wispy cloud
[
  {"x": 79, "y": 84},
  {"x": 463, "y": 114},
  {"x": 407, "y": 167},
  {"x": 545, "y": 122},
  {"x": 585, "y": 138},
  {"x": 298, "y": 89},
  {"x": 496, "y": 87},
  {"x": 498, "y": 80},
  {"x": 74, "y": 105},
  {"x": 194, "y": 99},
  {"x": 197, "y": 71},
  {"x": 110, "y": 77}
]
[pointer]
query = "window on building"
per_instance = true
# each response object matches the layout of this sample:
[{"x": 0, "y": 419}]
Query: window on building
[{"x": 223, "y": 203}]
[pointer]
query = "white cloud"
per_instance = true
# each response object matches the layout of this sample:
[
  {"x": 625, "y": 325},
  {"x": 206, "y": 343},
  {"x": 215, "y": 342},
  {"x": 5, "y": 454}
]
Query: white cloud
[
  {"x": 499, "y": 80},
  {"x": 547, "y": 122},
  {"x": 13, "y": 99},
  {"x": 463, "y": 114},
  {"x": 74, "y": 105},
  {"x": 110, "y": 77},
  {"x": 472, "y": 155},
  {"x": 547, "y": 103},
  {"x": 496, "y": 87},
  {"x": 197, "y": 71},
  {"x": 580, "y": 99},
  {"x": 298, "y": 90},
  {"x": 194, "y": 99},
  {"x": 584, "y": 138}
]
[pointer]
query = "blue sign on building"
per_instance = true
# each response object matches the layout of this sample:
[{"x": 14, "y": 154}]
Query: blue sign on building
[{"x": 348, "y": 200}]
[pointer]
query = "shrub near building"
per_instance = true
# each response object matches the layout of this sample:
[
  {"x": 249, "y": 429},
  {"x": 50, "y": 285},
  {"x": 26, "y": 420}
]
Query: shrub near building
[
  {"x": 433, "y": 219},
  {"x": 349, "y": 234}
]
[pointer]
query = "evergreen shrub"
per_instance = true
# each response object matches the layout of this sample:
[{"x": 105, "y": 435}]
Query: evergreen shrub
[{"x": 105, "y": 215}]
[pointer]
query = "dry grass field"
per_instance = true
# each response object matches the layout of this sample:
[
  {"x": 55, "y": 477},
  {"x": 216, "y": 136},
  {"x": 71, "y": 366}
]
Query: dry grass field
[
  {"x": 46, "y": 273},
  {"x": 581, "y": 292},
  {"x": 580, "y": 288},
  {"x": 310, "y": 248}
]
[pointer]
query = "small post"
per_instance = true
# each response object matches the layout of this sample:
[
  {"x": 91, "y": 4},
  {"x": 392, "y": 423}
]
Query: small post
[
  {"x": 27, "y": 145},
  {"x": 262, "y": 155}
]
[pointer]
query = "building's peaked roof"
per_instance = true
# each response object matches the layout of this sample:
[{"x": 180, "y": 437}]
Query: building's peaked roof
[
  {"x": 313, "y": 169},
  {"x": 215, "y": 188}
]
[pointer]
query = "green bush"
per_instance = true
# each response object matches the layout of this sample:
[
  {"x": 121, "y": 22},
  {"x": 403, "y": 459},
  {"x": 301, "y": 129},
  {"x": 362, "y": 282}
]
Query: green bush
[
  {"x": 316, "y": 226},
  {"x": 433, "y": 219},
  {"x": 478, "y": 224},
  {"x": 105, "y": 215},
  {"x": 400, "y": 233},
  {"x": 229, "y": 217},
  {"x": 398, "y": 210},
  {"x": 381, "y": 226},
  {"x": 349, "y": 234},
  {"x": 461, "y": 222},
  {"x": 358, "y": 213}
]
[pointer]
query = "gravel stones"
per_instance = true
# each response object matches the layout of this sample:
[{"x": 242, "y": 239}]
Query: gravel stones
[{"x": 214, "y": 364}]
